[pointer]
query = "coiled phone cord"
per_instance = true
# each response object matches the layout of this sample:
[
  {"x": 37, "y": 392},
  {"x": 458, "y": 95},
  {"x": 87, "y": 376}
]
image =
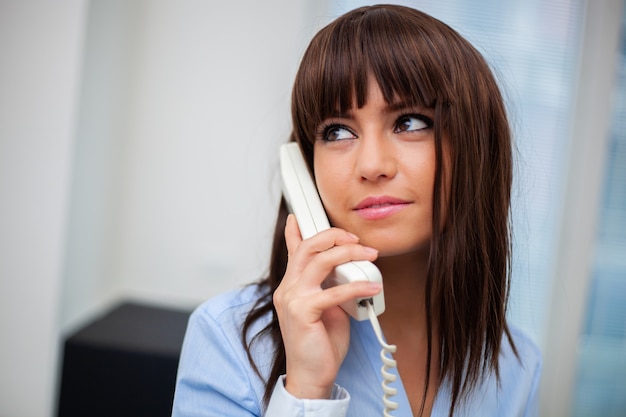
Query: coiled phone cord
[{"x": 388, "y": 363}]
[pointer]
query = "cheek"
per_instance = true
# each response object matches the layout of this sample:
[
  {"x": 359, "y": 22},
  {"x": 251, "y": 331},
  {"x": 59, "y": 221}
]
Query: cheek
[
  {"x": 326, "y": 181},
  {"x": 418, "y": 170},
  {"x": 331, "y": 181}
]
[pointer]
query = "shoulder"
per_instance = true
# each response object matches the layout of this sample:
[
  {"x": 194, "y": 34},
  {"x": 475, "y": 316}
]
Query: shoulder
[
  {"x": 218, "y": 322},
  {"x": 519, "y": 376},
  {"x": 528, "y": 359},
  {"x": 222, "y": 318},
  {"x": 214, "y": 371},
  {"x": 513, "y": 391},
  {"x": 229, "y": 308},
  {"x": 216, "y": 326}
]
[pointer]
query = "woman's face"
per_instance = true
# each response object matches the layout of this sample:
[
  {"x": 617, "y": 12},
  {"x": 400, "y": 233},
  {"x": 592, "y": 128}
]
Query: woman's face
[{"x": 374, "y": 169}]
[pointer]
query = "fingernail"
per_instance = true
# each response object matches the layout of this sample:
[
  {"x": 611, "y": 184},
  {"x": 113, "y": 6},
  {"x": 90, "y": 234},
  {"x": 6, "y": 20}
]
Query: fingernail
[
  {"x": 353, "y": 236},
  {"x": 371, "y": 250}
]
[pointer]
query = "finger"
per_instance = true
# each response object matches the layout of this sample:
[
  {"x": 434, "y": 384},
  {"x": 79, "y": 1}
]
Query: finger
[
  {"x": 320, "y": 242},
  {"x": 327, "y": 239},
  {"x": 334, "y": 296},
  {"x": 309, "y": 309},
  {"x": 323, "y": 263},
  {"x": 292, "y": 234},
  {"x": 309, "y": 271}
]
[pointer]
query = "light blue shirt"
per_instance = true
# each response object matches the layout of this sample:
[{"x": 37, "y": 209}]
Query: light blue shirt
[{"x": 215, "y": 377}]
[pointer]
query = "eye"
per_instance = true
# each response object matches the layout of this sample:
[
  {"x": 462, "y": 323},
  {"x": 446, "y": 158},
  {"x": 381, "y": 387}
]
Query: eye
[
  {"x": 335, "y": 133},
  {"x": 413, "y": 123}
]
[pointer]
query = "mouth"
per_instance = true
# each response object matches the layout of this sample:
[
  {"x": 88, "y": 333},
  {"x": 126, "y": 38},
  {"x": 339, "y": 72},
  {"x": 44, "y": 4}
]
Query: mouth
[{"x": 380, "y": 207}]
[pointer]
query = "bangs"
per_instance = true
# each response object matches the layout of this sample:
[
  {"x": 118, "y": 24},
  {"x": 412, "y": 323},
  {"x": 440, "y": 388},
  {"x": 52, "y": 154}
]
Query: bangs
[{"x": 396, "y": 48}]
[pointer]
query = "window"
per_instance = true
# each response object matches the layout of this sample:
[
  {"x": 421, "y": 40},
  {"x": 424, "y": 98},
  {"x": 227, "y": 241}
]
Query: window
[{"x": 601, "y": 370}]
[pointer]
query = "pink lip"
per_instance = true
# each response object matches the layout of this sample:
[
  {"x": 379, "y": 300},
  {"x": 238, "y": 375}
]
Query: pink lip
[{"x": 380, "y": 207}]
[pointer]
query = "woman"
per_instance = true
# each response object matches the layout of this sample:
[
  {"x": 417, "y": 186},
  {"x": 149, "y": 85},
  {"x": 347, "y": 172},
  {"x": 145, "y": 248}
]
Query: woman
[{"x": 405, "y": 130}]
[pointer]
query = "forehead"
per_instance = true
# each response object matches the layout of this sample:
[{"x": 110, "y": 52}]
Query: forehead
[
  {"x": 388, "y": 98},
  {"x": 376, "y": 100}
]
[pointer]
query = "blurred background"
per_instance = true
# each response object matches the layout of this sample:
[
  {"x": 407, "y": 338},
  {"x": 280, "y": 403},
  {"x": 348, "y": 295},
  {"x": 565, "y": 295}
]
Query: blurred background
[{"x": 138, "y": 161}]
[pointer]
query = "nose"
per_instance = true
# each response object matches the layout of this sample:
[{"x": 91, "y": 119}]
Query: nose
[{"x": 376, "y": 159}]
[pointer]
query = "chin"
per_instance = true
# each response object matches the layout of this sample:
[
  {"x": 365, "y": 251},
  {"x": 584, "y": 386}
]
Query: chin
[{"x": 388, "y": 248}]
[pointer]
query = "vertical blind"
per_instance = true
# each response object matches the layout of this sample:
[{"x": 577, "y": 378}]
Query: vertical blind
[{"x": 600, "y": 388}]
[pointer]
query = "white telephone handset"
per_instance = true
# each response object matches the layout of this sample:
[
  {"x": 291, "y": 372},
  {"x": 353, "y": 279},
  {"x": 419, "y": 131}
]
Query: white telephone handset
[{"x": 304, "y": 202}]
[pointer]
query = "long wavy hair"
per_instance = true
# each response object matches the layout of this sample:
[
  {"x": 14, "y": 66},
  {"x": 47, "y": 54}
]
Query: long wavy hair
[{"x": 422, "y": 62}]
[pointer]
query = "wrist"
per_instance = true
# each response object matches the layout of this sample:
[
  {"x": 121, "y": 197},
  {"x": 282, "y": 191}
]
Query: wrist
[{"x": 308, "y": 391}]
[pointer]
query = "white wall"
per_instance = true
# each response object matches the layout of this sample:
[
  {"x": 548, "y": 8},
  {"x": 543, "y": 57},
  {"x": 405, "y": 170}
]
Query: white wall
[
  {"x": 183, "y": 105},
  {"x": 208, "y": 106},
  {"x": 40, "y": 44},
  {"x": 89, "y": 284}
]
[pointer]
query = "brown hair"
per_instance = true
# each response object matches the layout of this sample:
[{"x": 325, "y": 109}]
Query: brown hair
[{"x": 423, "y": 62}]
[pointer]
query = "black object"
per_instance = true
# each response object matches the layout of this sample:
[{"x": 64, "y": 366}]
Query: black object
[{"x": 123, "y": 364}]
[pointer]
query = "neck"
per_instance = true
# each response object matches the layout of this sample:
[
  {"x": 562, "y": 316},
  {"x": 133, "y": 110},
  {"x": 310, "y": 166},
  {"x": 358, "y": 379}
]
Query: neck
[{"x": 404, "y": 283}]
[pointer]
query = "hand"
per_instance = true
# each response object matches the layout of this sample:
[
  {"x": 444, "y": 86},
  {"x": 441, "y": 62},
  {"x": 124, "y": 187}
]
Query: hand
[{"x": 315, "y": 330}]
